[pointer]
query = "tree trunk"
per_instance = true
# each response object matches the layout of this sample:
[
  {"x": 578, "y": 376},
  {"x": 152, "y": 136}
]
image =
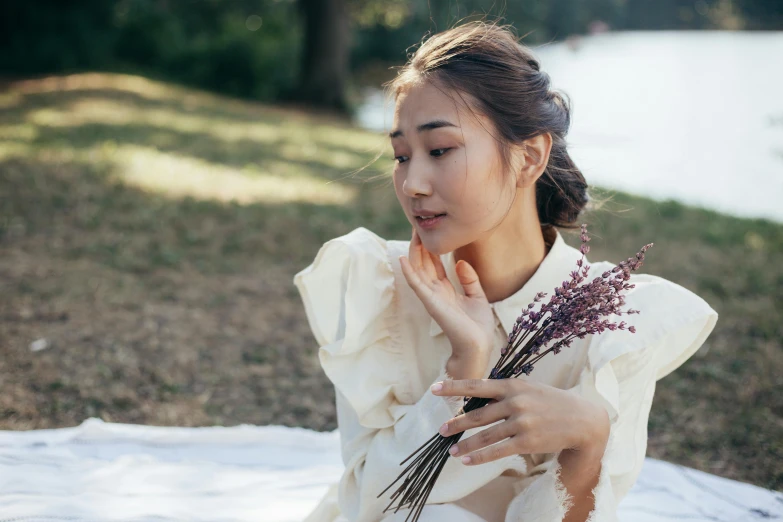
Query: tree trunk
[{"x": 324, "y": 68}]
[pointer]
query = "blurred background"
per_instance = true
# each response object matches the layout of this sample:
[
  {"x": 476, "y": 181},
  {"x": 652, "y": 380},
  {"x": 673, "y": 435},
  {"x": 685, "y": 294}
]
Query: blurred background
[{"x": 167, "y": 166}]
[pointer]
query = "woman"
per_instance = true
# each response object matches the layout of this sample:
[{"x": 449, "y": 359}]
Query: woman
[{"x": 483, "y": 176}]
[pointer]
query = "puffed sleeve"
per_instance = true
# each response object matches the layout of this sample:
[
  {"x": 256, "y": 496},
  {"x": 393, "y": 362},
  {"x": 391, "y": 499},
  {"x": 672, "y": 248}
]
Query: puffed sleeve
[
  {"x": 350, "y": 301},
  {"x": 621, "y": 375}
]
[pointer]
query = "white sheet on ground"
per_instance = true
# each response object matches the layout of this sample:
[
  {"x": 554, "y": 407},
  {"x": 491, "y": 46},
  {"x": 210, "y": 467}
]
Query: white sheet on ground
[{"x": 101, "y": 471}]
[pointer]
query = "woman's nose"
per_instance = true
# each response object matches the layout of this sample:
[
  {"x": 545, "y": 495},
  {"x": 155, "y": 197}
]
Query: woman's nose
[{"x": 416, "y": 183}]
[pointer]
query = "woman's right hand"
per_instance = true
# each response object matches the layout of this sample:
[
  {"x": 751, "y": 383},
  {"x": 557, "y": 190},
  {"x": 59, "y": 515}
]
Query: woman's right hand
[{"x": 466, "y": 320}]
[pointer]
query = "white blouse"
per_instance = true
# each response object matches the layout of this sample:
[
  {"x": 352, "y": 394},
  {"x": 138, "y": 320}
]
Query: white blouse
[{"x": 381, "y": 349}]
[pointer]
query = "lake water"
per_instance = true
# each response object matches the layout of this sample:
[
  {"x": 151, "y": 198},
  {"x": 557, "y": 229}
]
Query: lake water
[{"x": 693, "y": 116}]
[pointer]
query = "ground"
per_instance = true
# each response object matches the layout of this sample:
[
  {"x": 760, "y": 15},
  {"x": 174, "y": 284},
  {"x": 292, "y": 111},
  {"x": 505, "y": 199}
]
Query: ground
[{"x": 149, "y": 235}]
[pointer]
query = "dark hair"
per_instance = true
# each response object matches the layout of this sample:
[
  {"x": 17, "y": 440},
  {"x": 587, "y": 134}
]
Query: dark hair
[{"x": 504, "y": 81}]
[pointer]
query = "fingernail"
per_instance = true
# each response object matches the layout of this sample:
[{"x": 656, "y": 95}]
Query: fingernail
[
  {"x": 437, "y": 386},
  {"x": 443, "y": 429},
  {"x": 466, "y": 460},
  {"x": 454, "y": 450}
]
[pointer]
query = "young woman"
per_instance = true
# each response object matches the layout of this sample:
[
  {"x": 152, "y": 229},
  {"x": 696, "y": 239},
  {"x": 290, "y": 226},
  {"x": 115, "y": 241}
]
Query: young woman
[{"x": 483, "y": 176}]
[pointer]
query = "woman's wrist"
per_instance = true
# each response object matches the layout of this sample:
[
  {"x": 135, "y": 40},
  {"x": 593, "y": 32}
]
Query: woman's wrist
[
  {"x": 465, "y": 367},
  {"x": 598, "y": 437}
]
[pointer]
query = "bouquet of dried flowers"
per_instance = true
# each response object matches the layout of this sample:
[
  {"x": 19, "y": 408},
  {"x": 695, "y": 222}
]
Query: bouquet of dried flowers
[{"x": 575, "y": 310}]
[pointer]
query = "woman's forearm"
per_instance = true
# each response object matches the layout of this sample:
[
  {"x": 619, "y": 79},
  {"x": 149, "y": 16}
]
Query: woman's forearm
[{"x": 579, "y": 472}]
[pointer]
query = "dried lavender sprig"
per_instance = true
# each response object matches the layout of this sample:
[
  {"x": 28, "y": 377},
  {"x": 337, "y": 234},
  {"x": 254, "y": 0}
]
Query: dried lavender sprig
[{"x": 573, "y": 311}]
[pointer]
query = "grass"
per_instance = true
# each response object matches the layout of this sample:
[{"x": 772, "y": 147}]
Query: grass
[{"x": 151, "y": 233}]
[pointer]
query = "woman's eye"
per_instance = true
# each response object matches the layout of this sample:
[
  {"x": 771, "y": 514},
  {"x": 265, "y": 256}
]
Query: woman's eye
[{"x": 435, "y": 152}]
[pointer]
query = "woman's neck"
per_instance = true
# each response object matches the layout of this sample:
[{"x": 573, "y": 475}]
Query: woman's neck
[{"x": 504, "y": 265}]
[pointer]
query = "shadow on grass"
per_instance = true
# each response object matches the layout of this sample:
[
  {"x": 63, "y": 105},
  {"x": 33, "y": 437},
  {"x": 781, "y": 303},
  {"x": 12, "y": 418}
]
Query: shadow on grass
[{"x": 258, "y": 131}]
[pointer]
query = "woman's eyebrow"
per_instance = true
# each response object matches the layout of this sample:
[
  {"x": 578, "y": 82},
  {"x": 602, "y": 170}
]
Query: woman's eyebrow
[{"x": 436, "y": 124}]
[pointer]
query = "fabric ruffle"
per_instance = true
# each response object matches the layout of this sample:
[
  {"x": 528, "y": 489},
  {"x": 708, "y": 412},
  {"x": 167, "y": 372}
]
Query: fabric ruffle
[
  {"x": 348, "y": 293},
  {"x": 541, "y": 496},
  {"x": 673, "y": 323}
]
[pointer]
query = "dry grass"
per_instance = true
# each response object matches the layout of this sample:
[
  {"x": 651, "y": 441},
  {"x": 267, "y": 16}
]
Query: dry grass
[{"x": 150, "y": 234}]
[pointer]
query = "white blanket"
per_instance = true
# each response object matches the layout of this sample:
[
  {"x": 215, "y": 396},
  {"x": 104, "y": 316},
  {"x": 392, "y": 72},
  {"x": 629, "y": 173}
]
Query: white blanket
[{"x": 102, "y": 471}]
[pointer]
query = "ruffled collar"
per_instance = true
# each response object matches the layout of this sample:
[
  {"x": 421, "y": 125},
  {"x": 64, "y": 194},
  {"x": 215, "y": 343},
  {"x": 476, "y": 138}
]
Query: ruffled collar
[{"x": 555, "y": 268}]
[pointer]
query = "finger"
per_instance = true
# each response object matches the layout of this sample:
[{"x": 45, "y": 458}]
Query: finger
[
  {"x": 439, "y": 270},
  {"x": 411, "y": 275},
  {"x": 469, "y": 279},
  {"x": 414, "y": 280},
  {"x": 414, "y": 251},
  {"x": 483, "y": 416},
  {"x": 482, "y": 439},
  {"x": 496, "y": 451},
  {"x": 427, "y": 264},
  {"x": 487, "y": 388}
]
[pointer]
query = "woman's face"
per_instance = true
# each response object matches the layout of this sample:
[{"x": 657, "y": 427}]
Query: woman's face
[{"x": 448, "y": 163}]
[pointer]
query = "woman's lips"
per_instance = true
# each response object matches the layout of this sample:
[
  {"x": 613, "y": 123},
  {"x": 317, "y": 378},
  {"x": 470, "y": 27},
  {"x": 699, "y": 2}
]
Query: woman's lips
[{"x": 430, "y": 222}]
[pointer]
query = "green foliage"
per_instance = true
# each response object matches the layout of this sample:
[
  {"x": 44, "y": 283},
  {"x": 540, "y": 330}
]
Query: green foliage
[{"x": 207, "y": 43}]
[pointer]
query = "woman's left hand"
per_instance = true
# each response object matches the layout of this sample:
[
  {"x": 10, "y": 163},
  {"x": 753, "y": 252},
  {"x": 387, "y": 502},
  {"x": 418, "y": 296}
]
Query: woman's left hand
[{"x": 537, "y": 418}]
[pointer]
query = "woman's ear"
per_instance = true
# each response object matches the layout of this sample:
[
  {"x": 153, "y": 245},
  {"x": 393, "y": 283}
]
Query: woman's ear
[{"x": 533, "y": 159}]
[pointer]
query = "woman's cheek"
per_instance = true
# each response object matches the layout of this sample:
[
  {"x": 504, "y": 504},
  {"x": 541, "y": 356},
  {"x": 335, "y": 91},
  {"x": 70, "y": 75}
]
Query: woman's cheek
[{"x": 397, "y": 179}]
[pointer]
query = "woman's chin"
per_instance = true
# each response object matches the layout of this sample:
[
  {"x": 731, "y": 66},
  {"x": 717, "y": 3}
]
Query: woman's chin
[{"x": 434, "y": 242}]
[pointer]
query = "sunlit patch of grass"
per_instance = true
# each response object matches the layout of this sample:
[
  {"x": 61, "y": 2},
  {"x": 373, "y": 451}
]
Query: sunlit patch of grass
[
  {"x": 11, "y": 149},
  {"x": 207, "y": 154},
  {"x": 10, "y": 99},
  {"x": 126, "y": 83},
  {"x": 18, "y": 132},
  {"x": 185, "y": 111},
  {"x": 333, "y": 147},
  {"x": 114, "y": 112},
  {"x": 177, "y": 176},
  {"x": 336, "y": 159},
  {"x": 355, "y": 139}
]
